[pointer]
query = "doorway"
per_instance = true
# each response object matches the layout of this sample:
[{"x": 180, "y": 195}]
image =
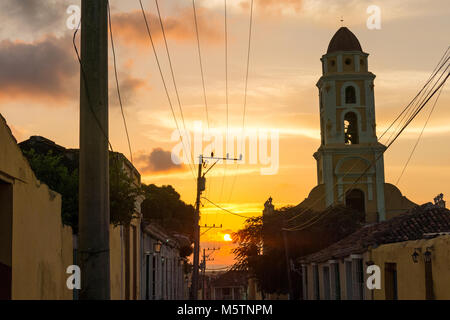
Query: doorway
[
  {"x": 354, "y": 199},
  {"x": 6, "y": 215}
]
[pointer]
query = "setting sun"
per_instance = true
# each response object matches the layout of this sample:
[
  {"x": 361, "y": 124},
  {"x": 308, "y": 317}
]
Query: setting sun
[{"x": 227, "y": 237}]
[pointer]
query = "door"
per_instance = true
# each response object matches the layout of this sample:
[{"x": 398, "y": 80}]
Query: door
[{"x": 6, "y": 217}]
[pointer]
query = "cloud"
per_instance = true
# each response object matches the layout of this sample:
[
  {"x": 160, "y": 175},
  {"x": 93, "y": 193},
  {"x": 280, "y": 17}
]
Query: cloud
[
  {"x": 158, "y": 160},
  {"x": 130, "y": 26},
  {"x": 32, "y": 17},
  {"x": 45, "y": 68},
  {"x": 128, "y": 87}
]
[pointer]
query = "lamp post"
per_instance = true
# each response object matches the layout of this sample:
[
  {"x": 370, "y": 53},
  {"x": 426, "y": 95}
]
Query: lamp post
[{"x": 157, "y": 246}]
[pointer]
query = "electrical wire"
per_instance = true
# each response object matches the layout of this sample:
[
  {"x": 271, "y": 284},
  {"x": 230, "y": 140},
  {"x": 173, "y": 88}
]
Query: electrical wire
[
  {"x": 165, "y": 88},
  {"x": 117, "y": 82},
  {"x": 173, "y": 75},
  {"x": 226, "y": 210},
  {"x": 84, "y": 82},
  {"x": 419, "y": 137},
  {"x": 226, "y": 98},
  {"x": 200, "y": 62},
  {"x": 245, "y": 98}
]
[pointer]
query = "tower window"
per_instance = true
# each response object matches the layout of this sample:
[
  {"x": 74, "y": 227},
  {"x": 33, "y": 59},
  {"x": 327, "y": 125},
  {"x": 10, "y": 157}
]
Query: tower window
[
  {"x": 348, "y": 61},
  {"x": 350, "y": 94},
  {"x": 351, "y": 128}
]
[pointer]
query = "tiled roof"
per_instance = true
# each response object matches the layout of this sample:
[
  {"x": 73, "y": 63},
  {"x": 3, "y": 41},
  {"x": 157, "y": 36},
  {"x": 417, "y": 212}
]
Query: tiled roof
[{"x": 412, "y": 225}]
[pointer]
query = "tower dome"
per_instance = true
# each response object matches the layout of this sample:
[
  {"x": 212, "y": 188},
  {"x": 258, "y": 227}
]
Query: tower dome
[{"x": 344, "y": 40}]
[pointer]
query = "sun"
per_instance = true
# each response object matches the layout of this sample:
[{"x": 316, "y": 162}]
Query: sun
[{"x": 227, "y": 237}]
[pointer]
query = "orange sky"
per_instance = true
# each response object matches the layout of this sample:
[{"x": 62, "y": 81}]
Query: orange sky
[{"x": 39, "y": 89}]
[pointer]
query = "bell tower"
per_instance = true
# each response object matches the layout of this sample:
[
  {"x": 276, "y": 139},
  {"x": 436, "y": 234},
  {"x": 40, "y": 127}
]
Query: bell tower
[{"x": 347, "y": 124}]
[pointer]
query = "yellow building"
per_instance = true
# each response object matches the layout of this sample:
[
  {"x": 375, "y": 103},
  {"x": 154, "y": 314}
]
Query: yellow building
[
  {"x": 125, "y": 242},
  {"x": 350, "y": 165},
  {"x": 125, "y": 248},
  {"x": 410, "y": 250},
  {"x": 35, "y": 248},
  {"x": 405, "y": 278}
]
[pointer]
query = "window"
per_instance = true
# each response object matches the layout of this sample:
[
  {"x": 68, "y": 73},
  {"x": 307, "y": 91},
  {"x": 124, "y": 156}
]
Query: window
[
  {"x": 390, "y": 281},
  {"x": 349, "y": 280},
  {"x": 135, "y": 265},
  {"x": 326, "y": 282},
  {"x": 154, "y": 277},
  {"x": 226, "y": 293},
  {"x": 305, "y": 282},
  {"x": 147, "y": 277},
  {"x": 351, "y": 128},
  {"x": 237, "y": 293},
  {"x": 316, "y": 282},
  {"x": 358, "y": 291},
  {"x": 127, "y": 261},
  {"x": 348, "y": 61},
  {"x": 350, "y": 95},
  {"x": 335, "y": 282}
]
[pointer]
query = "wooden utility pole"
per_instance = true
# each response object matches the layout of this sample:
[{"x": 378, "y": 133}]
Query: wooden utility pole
[
  {"x": 200, "y": 188},
  {"x": 203, "y": 274},
  {"x": 288, "y": 264},
  {"x": 94, "y": 164},
  {"x": 205, "y": 258}
]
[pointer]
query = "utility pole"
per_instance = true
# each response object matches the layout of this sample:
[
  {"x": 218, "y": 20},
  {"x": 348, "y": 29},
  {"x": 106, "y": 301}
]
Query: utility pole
[
  {"x": 205, "y": 258},
  {"x": 288, "y": 263},
  {"x": 94, "y": 164},
  {"x": 200, "y": 188}
]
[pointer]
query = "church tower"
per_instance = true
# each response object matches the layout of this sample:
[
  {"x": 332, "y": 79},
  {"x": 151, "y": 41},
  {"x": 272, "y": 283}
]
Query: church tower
[{"x": 347, "y": 124}]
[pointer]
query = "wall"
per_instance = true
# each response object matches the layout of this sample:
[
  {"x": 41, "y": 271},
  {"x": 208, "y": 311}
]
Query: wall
[
  {"x": 118, "y": 262},
  {"x": 41, "y": 246},
  {"x": 116, "y": 258},
  {"x": 411, "y": 276}
]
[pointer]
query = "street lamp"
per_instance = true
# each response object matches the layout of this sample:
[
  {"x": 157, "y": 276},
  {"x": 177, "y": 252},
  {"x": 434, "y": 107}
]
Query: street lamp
[
  {"x": 415, "y": 256},
  {"x": 157, "y": 246}
]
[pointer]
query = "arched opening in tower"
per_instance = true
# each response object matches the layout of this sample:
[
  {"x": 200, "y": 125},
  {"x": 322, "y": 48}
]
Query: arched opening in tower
[
  {"x": 354, "y": 199},
  {"x": 351, "y": 128},
  {"x": 350, "y": 95}
]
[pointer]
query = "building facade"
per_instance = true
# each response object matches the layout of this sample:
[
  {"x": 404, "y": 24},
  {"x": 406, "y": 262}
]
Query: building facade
[
  {"x": 124, "y": 241},
  {"x": 163, "y": 275},
  {"x": 410, "y": 250},
  {"x": 35, "y": 247}
]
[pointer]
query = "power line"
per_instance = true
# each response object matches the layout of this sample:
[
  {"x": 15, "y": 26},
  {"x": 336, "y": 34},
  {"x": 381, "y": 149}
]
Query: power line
[
  {"x": 245, "y": 97},
  {"x": 226, "y": 210},
  {"x": 202, "y": 77},
  {"x": 117, "y": 82},
  {"x": 172, "y": 73},
  {"x": 226, "y": 95},
  {"x": 200, "y": 61},
  {"x": 420, "y": 136},
  {"x": 439, "y": 65},
  {"x": 165, "y": 87}
]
